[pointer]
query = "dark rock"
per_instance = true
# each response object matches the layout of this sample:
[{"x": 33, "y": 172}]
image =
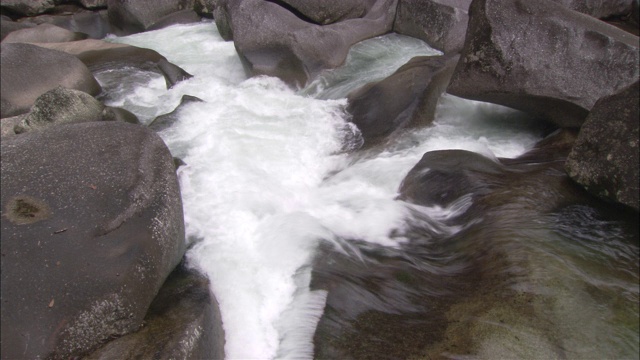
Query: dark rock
[
  {"x": 43, "y": 33},
  {"x": 7, "y": 26},
  {"x": 61, "y": 106},
  {"x": 325, "y": 12},
  {"x": 119, "y": 114},
  {"x": 273, "y": 41},
  {"x": 451, "y": 174},
  {"x": 406, "y": 98},
  {"x": 93, "y": 23},
  {"x": 599, "y": 9},
  {"x": 440, "y": 23},
  {"x": 92, "y": 226},
  {"x": 179, "y": 17},
  {"x": 183, "y": 322},
  {"x": 133, "y": 16},
  {"x": 100, "y": 55},
  {"x": 542, "y": 58},
  {"x": 29, "y": 71},
  {"x": 205, "y": 8},
  {"x": 28, "y": 7},
  {"x": 164, "y": 121},
  {"x": 94, "y": 4},
  {"x": 605, "y": 157}
]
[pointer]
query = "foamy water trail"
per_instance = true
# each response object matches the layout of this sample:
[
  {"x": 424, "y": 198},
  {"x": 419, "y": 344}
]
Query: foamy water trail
[{"x": 266, "y": 179}]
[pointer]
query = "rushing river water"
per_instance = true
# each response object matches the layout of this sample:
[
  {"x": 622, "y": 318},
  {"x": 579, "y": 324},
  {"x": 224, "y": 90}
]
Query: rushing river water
[{"x": 269, "y": 177}]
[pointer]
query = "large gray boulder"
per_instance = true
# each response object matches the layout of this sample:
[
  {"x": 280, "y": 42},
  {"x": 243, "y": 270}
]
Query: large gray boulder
[
  {"x": 29, "y": 71},
  {"x": 440, "y": 23},
  {"x": 604, "y": 158},
  {"x": 407, "y": 98},
  {"x": 133, "y": 16},
  {"x": 183, "y": 322},
  {"x": 100, "y": 55},
  {"x": 323, "y": 12},
  {"x": 28, "y": 7},
  {"x": 165, "y": 121},
  {"x": 43, "y": 33},
  {"x": 7, "y": 26},
  {"x": 61, "y": 106},
  {"x": 273, "y": 41},
  {"x": 92, "y": 226},
  {"x": 542, "y": 58},
  {"x": 93, "y": 23}
]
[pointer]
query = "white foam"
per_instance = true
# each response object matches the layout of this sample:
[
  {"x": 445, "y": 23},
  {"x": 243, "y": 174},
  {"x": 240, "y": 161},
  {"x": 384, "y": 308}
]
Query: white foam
[{"x": 265, "y": 182}]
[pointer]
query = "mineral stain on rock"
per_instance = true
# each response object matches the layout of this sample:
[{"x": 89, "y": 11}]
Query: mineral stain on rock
[{"x": 23, "y": 209}]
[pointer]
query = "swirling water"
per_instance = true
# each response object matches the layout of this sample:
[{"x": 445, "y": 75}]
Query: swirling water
[{"x": 267, "y": 180}]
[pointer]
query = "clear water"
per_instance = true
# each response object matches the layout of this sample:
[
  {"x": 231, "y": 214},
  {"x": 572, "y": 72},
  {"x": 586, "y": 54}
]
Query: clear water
[{"x": 267, "y": 179}]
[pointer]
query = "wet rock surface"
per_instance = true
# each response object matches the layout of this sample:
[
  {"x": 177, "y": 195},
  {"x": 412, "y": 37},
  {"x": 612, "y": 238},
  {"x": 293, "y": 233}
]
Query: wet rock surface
[{"x": 92, "y": 225}]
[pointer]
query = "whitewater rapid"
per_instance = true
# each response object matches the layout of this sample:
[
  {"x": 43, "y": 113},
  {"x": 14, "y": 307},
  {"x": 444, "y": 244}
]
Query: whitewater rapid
[{"x": 267, "y": 177}]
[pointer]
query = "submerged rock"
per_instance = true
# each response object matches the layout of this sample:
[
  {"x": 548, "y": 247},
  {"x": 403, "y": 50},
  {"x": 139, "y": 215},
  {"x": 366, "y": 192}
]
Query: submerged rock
[
  {"x": 605, "y": 157},
  {"x": 29, "y": 71},
  {"x": 167, "y": 120},
  {"x": 542, "y": 58},
  {"x": 92, "y": 225}
]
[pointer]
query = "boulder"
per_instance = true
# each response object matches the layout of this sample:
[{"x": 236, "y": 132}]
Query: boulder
[
  {"x": 406, "y": 98},
  {"x": 7, "y": 125},
  {"x": 92, "y": 226},
  {"x": 179, "y": 17},
  {"x": 119, "y": 114},
  {"x": 167, "y": 120},
  {"x": 604, "y": 158},
  {"x": 28, "y": 7},
  {"x": 101, "y": 55},
  {"x": 7, "y": 26},
  {"x": 273, "y": 41},
  {"x": 43, "y": 33},
  {"x": 542, "y": 58},
  {"x": 440, "y": 23},
  {"x": 93, "y": 4},
  {"x": 205, "y": 8},
  {"x": 600, "y": 9},
  {"x": 93, "y": 23},
  {"x": 323, "y": 12},
  {"x": 29, "y": 71},
  {"x": 133, "y": 16},
  {"x": 183, "y": 322},
  {"x": 60, "y": 106}
]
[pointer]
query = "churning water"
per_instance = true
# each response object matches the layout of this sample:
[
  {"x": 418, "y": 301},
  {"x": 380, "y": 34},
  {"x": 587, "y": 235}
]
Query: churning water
[{"x": 268, "y": 178}]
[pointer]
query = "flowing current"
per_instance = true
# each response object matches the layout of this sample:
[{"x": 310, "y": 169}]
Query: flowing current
[{"x": 268, "y": 174}]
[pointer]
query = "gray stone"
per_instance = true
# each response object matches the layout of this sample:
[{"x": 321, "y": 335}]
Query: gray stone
[
  {"x": 29, "y": 71},
  {"x": 407, "y": 98},
  {"x": 167, "y": 120},
  {"x": 43, "y": 33},
  {"x": 179, "y": 17},
  {"x": 119, "y": 114},
  {"x": 542, "y": 58},
  {"x": 92, "y": 226},
  {"x": 604, "y": 158},
  {"x": 8, "y": 124},
  {"x": 7, "y": 26},
  {"x": 101, "y": 55},
  {"x": 61, "y": 106},
  {"x": 93, "y": 23},
  {"x": 440, "y": 23},
  {"x": 28, "y": 7},
  {"x": 133, "y": 16},
  {"x": 599, "y": 8},
  {"x": 273, "y": 41},
  {"x": 325, "y": 12},
  {"x": 183, "y": 322}
]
